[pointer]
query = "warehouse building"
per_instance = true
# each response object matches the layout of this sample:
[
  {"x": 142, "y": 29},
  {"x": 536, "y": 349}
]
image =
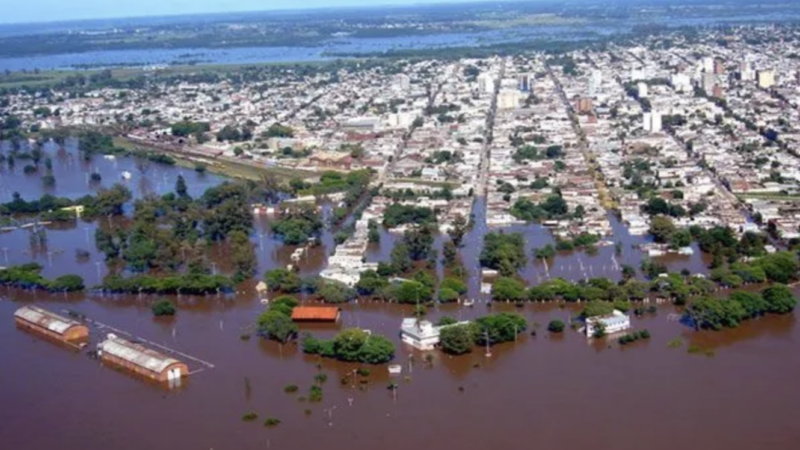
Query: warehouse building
[
  {"x": 140, "y": 360},
  {"x": 45, "y": 323}
]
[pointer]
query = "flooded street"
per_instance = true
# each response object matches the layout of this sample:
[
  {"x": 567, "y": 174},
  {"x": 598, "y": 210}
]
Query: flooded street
[{"x": 538, "y": 392}]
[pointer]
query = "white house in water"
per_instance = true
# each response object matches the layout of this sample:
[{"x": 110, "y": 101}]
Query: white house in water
[
  {"x": 614, "y": 323},
  {"x": 422, "y": 334}
]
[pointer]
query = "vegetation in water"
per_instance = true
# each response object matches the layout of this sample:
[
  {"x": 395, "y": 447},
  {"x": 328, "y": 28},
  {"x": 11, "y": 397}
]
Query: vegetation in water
[
  {"x": 276, "y": 322},
  {"x": 272, "y": 422},
  {"x": 555, "y": 326},
  {"x": 351, "y": 345},
  {"x": 28, "y": 276},
  {"x": 164, "y": 308},
  {"x": 630, "y": 338}
]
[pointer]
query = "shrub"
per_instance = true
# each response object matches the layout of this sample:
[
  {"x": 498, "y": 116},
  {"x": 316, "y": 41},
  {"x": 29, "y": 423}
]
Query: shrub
[
  {"x": 447, "y": 295},
  {"x": 67, "y": 283},
  {"x": 315, "y": 395},
  {"x": 555, "y": 326},
  {"x": 271, "y": 422},
  {"x": 163, "y": 308},
  {"x": 249, "y": 417},
  {"x": 320, "y": 378},
  {"x": 633, "y": 337}
]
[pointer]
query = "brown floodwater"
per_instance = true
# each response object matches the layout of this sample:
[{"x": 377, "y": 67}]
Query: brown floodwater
[{"x": 538, "y": 392}]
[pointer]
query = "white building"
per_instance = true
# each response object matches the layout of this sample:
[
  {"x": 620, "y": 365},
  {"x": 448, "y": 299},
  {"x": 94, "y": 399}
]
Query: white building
[
  {"x": 651, "y": 122},
  {"x": 638, "y": 74},
  {"x": 613, "y": 323},
  {"x": 708, "y": 64},
  {"x": 746, "y": 72},
  {"x": 655, "y": 122},
  {"x": 508, "y": 99},
  {"x": 422, "y": 334},
  {"x": 486, "y": 83},
  {"x": 766, "y": 79},
  {"x": 642, "y": 88},
  {"x": 681, "y": 82},
  {"x": 595, "y": 82}
]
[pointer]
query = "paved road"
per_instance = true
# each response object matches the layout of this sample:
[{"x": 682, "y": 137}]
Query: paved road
[
  {"x": 583, "y": 145},
  {"x": 483, "y": 172}
]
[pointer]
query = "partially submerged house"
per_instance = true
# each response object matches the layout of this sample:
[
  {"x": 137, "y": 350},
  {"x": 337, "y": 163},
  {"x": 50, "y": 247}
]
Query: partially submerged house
[
  {"x": 422, "y": 334},
  {"x": 140, "y": 360},
  {"x": 45, "y": 323},
  {"x": 612, "y": 323}
]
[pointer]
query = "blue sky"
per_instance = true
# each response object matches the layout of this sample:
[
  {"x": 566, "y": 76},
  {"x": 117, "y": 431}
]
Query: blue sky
[{"x": 61, "y": 10}]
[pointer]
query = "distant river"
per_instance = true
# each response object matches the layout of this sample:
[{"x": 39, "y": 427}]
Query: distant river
[
  {"x": 344, "y": 45},
  {"x": 252, "y": 55}
]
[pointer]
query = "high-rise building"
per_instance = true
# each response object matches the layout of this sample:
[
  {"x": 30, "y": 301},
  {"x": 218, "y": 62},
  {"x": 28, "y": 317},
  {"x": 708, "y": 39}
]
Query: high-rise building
[
  {"x": 595, "y": 82},
  {"x": 766, "y": 78},
  {"x": 584, "y": 105},
  {"x": 508, "y": 99},
  {"x": 681, "y": 82},
  {"x": 719, "y": 67},
  {"x": 525, "y": 82},
  {"x": 486, "y": 83},
  {"x": 642, "y": 88},
  {"x": 651, "y": 121},
  {"x": 708, "y": 64},
  {"x": 708, "y": 81},
  {"x": 746, "y": 72},
  {"x": 655, "y": 124}
]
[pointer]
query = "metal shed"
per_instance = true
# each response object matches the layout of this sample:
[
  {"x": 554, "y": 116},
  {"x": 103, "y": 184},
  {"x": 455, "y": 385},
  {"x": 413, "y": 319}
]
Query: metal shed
[
  {"x": 51, "y": 325},
  {"x": 141, "y": 360}
]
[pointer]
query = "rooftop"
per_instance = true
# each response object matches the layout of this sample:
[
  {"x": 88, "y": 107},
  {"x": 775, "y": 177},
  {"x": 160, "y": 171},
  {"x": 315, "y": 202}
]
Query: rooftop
[
  {"x": 45, "y": 319},
  {"x": 327, "y": 313},
  {"x": 136, "y": 354}
]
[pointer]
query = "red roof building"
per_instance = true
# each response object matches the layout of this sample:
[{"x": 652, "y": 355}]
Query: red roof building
[{"x": 315, "y": 314}]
